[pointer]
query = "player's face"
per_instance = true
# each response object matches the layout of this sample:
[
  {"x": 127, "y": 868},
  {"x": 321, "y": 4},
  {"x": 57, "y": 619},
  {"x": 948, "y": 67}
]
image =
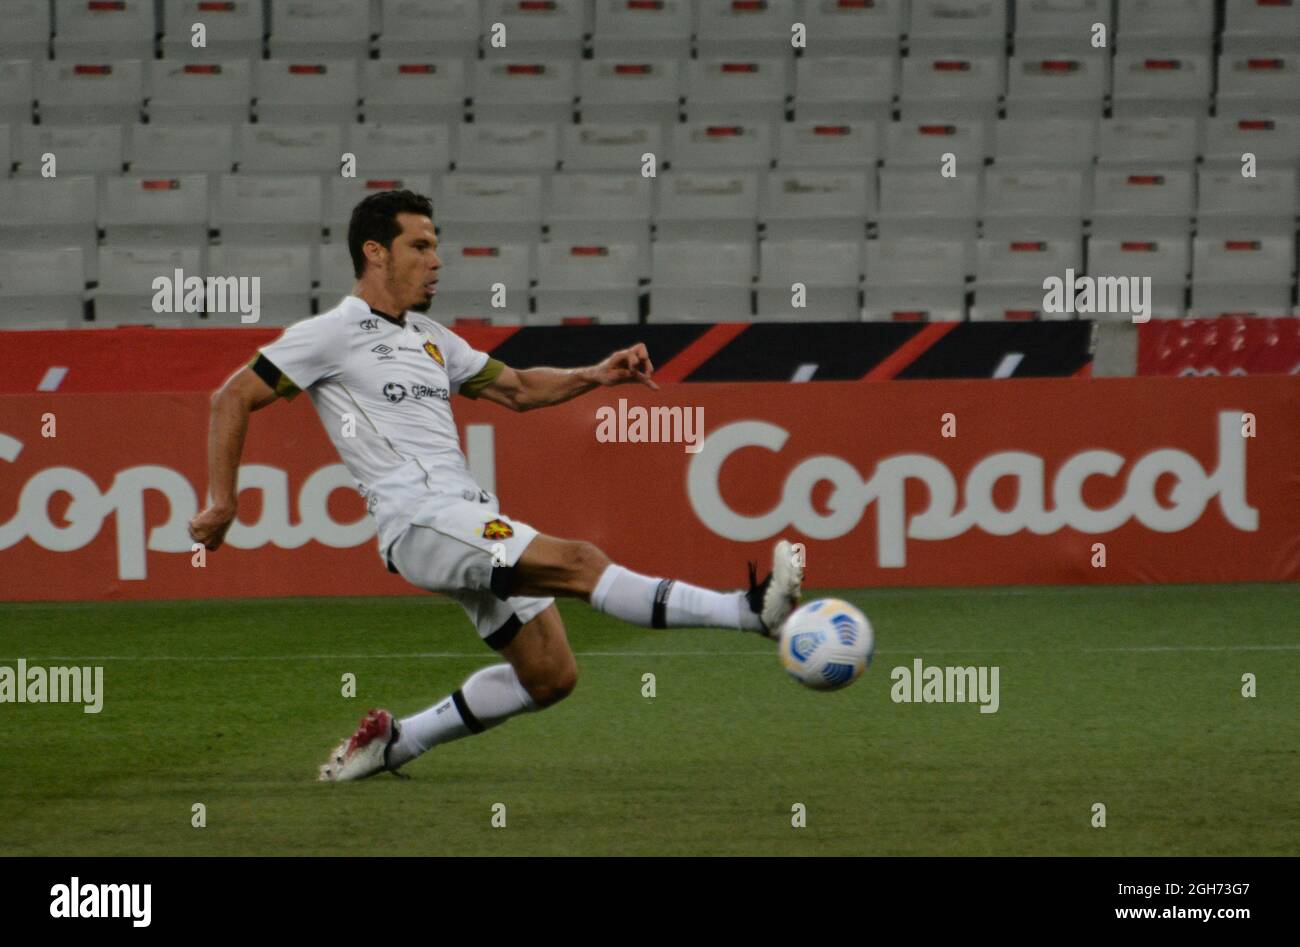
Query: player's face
[{"x": 413, "y": 263}]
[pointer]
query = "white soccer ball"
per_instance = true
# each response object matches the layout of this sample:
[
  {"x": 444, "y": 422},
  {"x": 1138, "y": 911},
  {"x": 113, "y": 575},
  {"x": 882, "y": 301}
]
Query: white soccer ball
[{"x": 827, "y": 644}]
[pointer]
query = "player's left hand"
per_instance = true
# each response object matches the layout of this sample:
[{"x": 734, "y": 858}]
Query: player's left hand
[{"x": 626, "y": 366}]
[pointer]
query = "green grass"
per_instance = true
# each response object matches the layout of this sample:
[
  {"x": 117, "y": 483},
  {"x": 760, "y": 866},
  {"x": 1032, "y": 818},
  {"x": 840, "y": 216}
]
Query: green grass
[{"x": 1129, "y": 696}]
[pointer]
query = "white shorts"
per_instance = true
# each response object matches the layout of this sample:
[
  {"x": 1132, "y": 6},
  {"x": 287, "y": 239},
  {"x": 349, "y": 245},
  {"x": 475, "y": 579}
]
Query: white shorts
[{"x": 456, "y": 546}]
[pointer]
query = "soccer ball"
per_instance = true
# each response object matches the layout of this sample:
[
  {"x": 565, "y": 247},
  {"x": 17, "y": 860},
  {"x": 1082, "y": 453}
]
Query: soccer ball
[{"x": 826, "y": 644}]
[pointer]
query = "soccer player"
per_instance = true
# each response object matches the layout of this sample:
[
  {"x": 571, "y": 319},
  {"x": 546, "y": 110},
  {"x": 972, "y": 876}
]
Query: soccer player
[{"x": 377, "y": 357}]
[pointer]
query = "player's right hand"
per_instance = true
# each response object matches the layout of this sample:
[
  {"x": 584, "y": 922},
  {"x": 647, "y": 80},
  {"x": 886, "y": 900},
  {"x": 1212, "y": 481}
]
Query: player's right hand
[{"x": 209, "y": 527}]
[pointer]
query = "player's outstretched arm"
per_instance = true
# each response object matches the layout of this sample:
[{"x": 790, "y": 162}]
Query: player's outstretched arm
[
  {"x": 241, "y": 395},
  {"x": 522, "y": 389}
]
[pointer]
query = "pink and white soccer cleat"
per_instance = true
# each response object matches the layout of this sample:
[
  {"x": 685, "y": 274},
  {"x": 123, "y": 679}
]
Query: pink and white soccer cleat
[{"x": 366, "y": 753}]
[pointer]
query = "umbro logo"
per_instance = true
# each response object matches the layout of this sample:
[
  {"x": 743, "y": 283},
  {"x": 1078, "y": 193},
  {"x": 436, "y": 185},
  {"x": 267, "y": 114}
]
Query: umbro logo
[
  {"x": 384, "y": 352},
  {"x": 370, "y": 325}
]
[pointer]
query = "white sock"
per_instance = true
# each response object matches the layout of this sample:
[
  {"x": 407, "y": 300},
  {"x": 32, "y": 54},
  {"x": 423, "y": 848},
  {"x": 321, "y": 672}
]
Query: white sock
[
  {"x": 489, "y": 697},
  {"x": 668, "y": 603}
]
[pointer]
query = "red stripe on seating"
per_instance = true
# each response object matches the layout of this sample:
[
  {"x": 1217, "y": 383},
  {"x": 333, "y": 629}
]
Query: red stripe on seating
[
  {"x": 680, "y": 366},
  {"x": 909, "y": 351}
]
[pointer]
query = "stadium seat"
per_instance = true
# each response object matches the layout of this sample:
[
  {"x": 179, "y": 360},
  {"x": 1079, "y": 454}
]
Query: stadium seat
[
  {"x": 1228, "y": 203},
  {"x": 586, "y": 283},
  {"x": 1154, "y": 201},
  {"x": 1022, "y": 200},
  {"x": 1261, "y": 26},
  {"x": 632, "y": 28},
  {"x": 532, "y": 147},
  {"x": 915, "y": 280},
  {"x": 1166, "y": 26},
  {"x": 952, "y": 86},
  {"x": 1166, "y": 260},
  {"x": 87, "y": 31},
  {"x": 926, "y": 204},
  {"x": 138, "y": 210},
  {"x": 1267, "y": 83},
  {"x": 1242, "y": 274},
  {"x": 733, "y": 145},
  {"x": 125, "y": 294},
  {"x": 521, "y": 90},
  {"x": 335, "y": 276},
  {"x": 701, "y": 281},
  {"x": 321, "y": 29},
  {"x": 415, "y": 29},
  {"x": 42, "y": 289},
  {"x": 183, "y": 92},
  {"x": 707, "y": 205},
  {"x": 6, "y": 151},
  {"x": 393, "y": 147},
  {"x": 619, "y": 92},
  {"x": 268, "y": 210},
  {"x": 1020, "y": 303},
  {"x": 1047, "y": 28},
  {"x": 413, "y": 90},
  {"x": 970, "y": 26},
  {"x": 1033, "y": 143},
  {"x": 1273, "y": 140},
  {"x": 600, "y": 146},
  {"x": 760, "y": 29},
  {"x": 830, "y": 204},
  {"x": 828, "y": 270},
  {"x": 813, "y": 144},
  {"x": 553, "y": 29},
  {"x": 345, "y": 193},
  {"x": 734, "y": 88},
  {"x": 471, "y": 275},
  {"x": 845, "y": 88},
  {"x": 1009, "y": 274},
  {"x": 94, "y": 149},
  {"x": 593, "y": 208},
  {"x": 158, "y": 149},
  {"x": 48, "y": 213},
  {"x": 17, "y": 93},
  {"x": 232, "y": 29},
  {"x": 281, "y": 148},
  {"x": 921, "y": 142},
  {"x": 301, "y": 91},
  {"x": 488, "y": 208},
  {"x": 27, "y": 31},
  {"x": 838, "y": 29},
  {"x": 1149, "y": 141},
  {"x": 1057, "y": 86},
  {"x": 70, "y": 92},
  {"x": 1161, "y": 84},
  {"x": 285, "y": 282}
]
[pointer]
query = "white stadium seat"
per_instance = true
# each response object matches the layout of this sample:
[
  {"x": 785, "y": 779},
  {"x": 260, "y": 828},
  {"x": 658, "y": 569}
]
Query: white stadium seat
[
  {"x": 69, "y": 92},
  {"x": 1009, "y": 275},
  {"x": 181, "y": 92},
  {"x": 182, "y": 149},
  {"x": 619, "y": 92},
  {"x": 1242, "y": 274},
  {"x": 1153, "y": 201},
  {"x": 838, "y": 29},
  {"x": 1020, "y": 303},
  {"x": 634, "y": 28},
  {"x": 1049, "y": 27},
  {"x": 1261, "y": 25},
  {"x": 1274, "y": 140},
  {"x": 345, "y": 193},
  {"x": 701, "y": 281},
  {"x": 831, "y": 204},
  {"x": 758, "y": 28},
  {"x": 125, "y": 294},
  {"x": 404, "y": 91},
  {"x": 1228, "y": 203},
  {"x": 42, "y": 289},
  {"x": 1166, "y": 260},
  {"x": 707, "y": 205},
  {"x": 414, "y": 29},
  {"x": 586, "y": 282},
  {"x": 335, "y": 275},
  {"x": 973, "y": 26},
  {"x": 600, "y": 146},
  {"x": 915, "y": 280},
  {"x": 290, "y": 90},
  {"x": 829, "y": 271},
  {"x": 1057, "y": 86},
  {"x": 1044, "y": 142},
  {"x": 86, "y": 30},
  {"x": 922, "y": 142},
  {"x": 493, "y": 208},
  {"x": 734, "y": 145},
  {"x": 17, "y": 92},
  {"x": 586, "y": 207},
  {"x": 552, "y": 29},
  {"x": 27, "y": 30},
  {"x": 1259, "y": 82},
  {"x": 279, "y": 148},
  {"x": 232, "y": 29},
  {"x": 140, "y": 210},
  {"x": 1162, "y": 84},
  {"x": 284, "y": 288},
  {"x": 925, "y": 204},
  {"x": 470, "y": 275},
  {"x": 392, "y": 147},
  {"x": 956, "y": 86},
  {"x": 1166, "y": 26},
  {"x": 521, "y": 90},
  {"x": 725, "y": 88},
  {"x": 46, "y": 213},
  {"x": 846, "y": 88},
  {"x": 1144, "y": 141},
  {"x": 814, "y": 144},
  {"x": 322, "y": 28},
  {"x": 268, "y": 210},
  {"x": 508, "y": 146},
  {"x": 94, "y": 149}
]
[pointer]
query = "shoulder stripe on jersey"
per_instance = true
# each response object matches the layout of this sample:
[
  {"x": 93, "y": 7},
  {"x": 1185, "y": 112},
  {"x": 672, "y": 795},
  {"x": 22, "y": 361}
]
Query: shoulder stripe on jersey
[
  {"x": 275, "y": 379},
  {"x": 489, "y": 373}
]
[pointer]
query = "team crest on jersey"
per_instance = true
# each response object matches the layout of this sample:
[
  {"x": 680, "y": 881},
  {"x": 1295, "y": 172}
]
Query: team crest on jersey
[
  {"x": 435, "y": 352},
  {"x": 497, "y": 529}
]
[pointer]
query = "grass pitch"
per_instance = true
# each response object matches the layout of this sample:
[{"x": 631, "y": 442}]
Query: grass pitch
[{"x": 1128, "y": 696}]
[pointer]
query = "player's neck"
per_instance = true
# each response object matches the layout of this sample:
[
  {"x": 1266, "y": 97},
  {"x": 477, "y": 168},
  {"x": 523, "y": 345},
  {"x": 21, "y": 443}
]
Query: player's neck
[{"x": 381, "y": 306}]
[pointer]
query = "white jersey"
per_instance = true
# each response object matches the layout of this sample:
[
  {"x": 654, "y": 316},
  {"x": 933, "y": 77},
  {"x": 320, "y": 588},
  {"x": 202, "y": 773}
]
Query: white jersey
[{"x": 395, "y": 382}]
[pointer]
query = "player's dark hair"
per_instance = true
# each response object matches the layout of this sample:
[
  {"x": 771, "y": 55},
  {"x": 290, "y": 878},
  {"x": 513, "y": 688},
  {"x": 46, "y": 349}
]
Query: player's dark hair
[{"x": 375, "y": 218}]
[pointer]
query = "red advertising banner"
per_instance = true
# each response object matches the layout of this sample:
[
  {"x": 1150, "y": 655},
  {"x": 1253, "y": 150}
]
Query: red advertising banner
[
  {"x": 913, "y": 483},
  {"x": 1231, "y": 345}
]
